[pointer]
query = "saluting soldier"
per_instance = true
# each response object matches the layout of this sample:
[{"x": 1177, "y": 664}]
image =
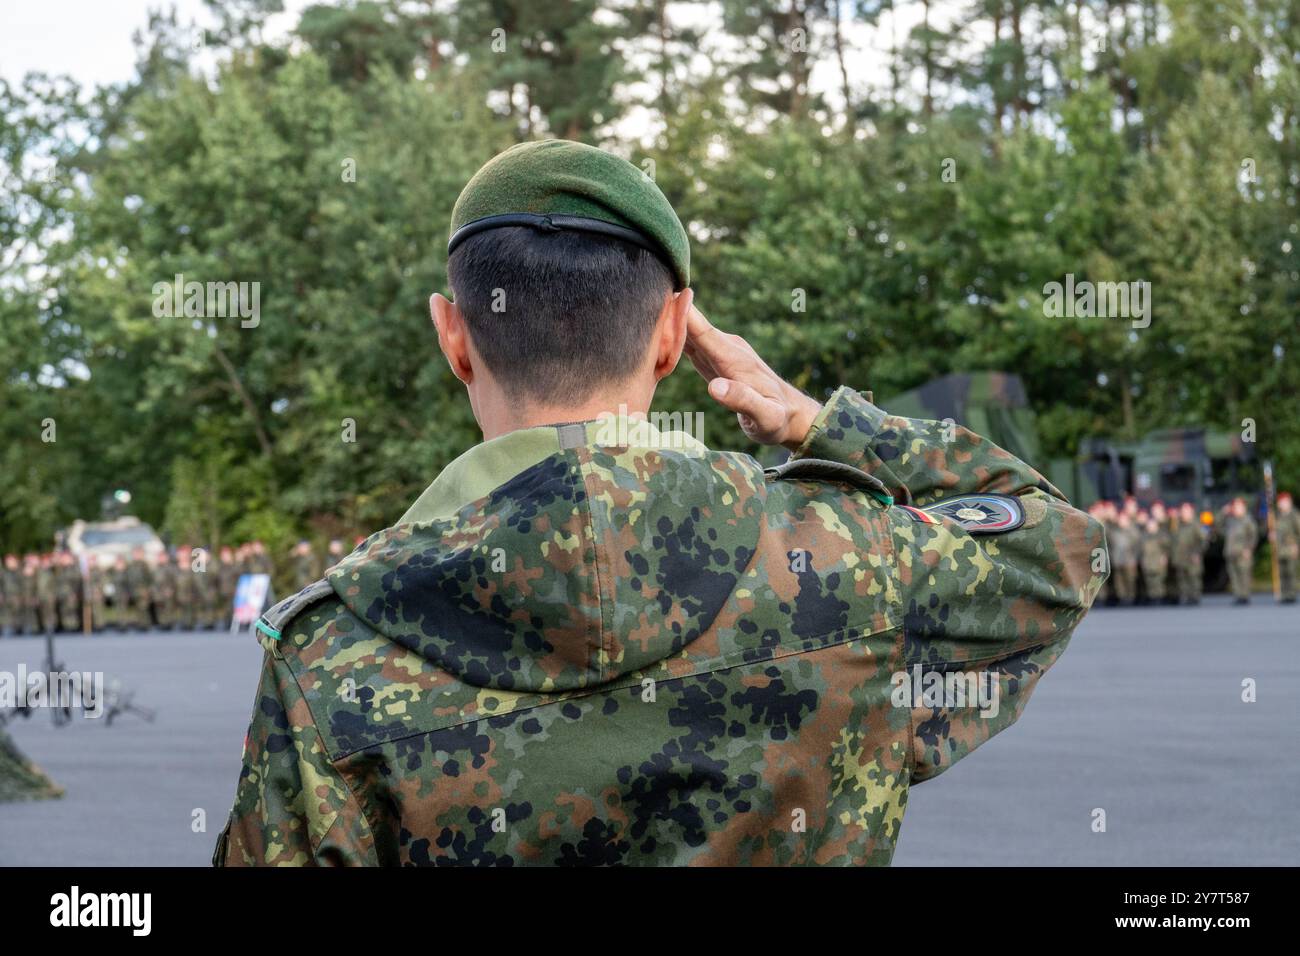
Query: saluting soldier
[
  {"x": 624, "y": 646},
  {"x": 1240, "y": 535},
  {"x": 1286, "y": 533},
  {"x": 1190, "y": 539}
]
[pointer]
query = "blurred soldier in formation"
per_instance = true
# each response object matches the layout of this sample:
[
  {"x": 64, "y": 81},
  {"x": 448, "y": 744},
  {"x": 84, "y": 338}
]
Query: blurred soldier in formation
[
  {"x": 95, "y": 596},
  {"x": 47, "y": 593},
  {"x": 205, "y": 587},
  {"x": 1286, "y": 533},
  {"x": 1123, "y": 545},
  {"x": 1165, "y": 522},
  {"x": 259, "y": 562},
  {"x": 1154, "y": 559},
  {"x": 11, "y": 595},
  {"x": 138, "y": 598},
  {"x": 1189, "y": 554},
  {"x": 306, "y": 567},
  {"x": 31, "y": 596},
  {"x": 1104, "y": 512},
  {"x": 227, "y": 583},
  {"x": 1240, "y": 535},
  {"x": 163, "y": 586},
  {"x": 68, "y": 587},
  {"x": 187, "y": 590}
]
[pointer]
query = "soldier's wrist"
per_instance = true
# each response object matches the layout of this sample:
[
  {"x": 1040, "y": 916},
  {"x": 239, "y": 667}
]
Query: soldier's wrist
[{"x": 805, "y": 410}]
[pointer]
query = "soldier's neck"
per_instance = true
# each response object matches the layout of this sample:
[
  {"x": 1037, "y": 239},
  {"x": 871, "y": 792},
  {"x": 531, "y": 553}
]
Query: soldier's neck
[{"x": 501, "y": 417}]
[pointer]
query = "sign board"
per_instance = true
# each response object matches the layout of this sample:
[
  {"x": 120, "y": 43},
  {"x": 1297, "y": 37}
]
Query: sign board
[{"x": 250, "y": 598}]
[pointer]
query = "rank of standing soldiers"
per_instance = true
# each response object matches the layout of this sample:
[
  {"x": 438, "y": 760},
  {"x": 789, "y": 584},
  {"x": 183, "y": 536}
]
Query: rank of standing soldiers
[
  {"x": 1161, "y": 553},
  {"x": 1158, "y": 554},
  {"x": 186, "y": 589}
]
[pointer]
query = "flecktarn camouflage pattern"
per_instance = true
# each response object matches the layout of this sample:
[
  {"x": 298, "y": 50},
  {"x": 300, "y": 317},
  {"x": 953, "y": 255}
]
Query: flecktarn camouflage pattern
[
  {"x": 20, "y": 779},
  {"x": 639, "y": 656}
]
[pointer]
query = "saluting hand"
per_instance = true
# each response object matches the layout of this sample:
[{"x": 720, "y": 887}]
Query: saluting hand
[{"x": 769, "y": 409}]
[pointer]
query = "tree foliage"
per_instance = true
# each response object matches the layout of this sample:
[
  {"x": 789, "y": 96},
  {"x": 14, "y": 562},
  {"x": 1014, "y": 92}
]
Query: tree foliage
[{"x": 872, "y": 231}]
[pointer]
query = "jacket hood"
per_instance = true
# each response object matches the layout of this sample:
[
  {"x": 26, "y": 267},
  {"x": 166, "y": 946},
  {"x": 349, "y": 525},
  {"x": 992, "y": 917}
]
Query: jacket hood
[{"x": 591, "y": 564}]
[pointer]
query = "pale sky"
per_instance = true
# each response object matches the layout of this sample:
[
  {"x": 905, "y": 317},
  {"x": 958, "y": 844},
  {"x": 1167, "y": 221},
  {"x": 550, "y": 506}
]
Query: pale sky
[{"x": 90, "y": 40}]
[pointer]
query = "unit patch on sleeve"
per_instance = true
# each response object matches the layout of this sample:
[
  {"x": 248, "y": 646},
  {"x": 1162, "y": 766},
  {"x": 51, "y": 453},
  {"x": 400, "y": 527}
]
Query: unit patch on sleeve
[{"x": 981, "y": 514}]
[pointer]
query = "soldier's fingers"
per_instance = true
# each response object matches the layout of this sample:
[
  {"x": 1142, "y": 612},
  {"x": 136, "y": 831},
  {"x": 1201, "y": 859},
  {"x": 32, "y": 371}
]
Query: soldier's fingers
[
  {"x": 768, "y": 416},
  {"x": 698, "y": 327},
  {"x": 705, "y": 341},
  {"x": 701, "y": 362}
]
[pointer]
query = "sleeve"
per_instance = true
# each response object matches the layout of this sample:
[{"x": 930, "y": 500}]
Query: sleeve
[
  {"x": 292, "y": 807},
  {"x": 918, "y": 460},
  {"x": 984, "y": 615}
]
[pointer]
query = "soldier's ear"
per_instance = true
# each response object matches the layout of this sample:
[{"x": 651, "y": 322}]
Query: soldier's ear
[
  {"x": 453, "y": 336},
  {"x": 670, "y": 332}
]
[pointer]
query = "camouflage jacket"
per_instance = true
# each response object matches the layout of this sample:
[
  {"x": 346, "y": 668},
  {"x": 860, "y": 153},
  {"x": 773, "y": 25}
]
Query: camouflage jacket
[
  {"x": 1189, "y": 544},
  {"x": 1154, "y": 550},
  {"x": 1240, "y": 536},
  {"x": 1123, "y": 545},
  {"x": 633, "y": 656},
  {"x": 1287, "y": 529}
]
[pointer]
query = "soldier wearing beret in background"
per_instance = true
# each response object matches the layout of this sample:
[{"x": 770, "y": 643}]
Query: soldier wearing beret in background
[
  {"x": 1240, "y": 535},
  {"x": 1123, "y": 542},
  {"x": 592, "y": 640},
  {"x": 1286, "y": 538},
  {"x": 1154, "y": 559},
  {"x": 1190, "y": 540}
]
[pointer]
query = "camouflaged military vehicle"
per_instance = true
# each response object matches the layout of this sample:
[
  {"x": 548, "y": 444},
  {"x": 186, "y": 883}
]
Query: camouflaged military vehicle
[
  {"x": 1205, "y": 467},
  {"x": 992, "y": 404},
  {"x": 112, "y": 539}
]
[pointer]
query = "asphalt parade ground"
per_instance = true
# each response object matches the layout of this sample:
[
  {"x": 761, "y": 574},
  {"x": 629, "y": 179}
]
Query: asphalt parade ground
[{"x": 1142, "y": 717}]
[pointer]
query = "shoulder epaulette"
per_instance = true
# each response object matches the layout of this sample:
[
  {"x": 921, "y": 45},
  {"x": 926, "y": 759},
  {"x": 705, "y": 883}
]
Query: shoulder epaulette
[
  {"x": 274, "y": 618},
  {"x": 822, "y": 469}
]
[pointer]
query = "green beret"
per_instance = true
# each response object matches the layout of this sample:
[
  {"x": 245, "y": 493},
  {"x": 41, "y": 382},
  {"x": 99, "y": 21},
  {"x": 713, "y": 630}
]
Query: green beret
[{"x": 559, "y": 185}]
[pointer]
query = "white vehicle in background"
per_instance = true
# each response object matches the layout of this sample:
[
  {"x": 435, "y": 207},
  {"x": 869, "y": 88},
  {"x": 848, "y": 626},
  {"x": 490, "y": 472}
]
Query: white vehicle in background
[{"x": 108, "y": 540}]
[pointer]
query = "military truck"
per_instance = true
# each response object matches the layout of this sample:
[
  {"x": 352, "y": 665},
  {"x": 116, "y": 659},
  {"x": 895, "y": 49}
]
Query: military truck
[
  {"x": 1205, "y": 467},
  {"x": 992, "y": 404}
]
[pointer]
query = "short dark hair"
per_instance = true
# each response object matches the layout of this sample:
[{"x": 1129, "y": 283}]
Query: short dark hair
[{"x": 555, "y": 315}]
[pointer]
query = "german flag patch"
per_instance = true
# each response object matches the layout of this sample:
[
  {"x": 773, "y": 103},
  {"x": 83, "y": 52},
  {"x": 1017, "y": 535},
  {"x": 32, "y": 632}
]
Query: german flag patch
[{"x": 918, "y": 515}]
